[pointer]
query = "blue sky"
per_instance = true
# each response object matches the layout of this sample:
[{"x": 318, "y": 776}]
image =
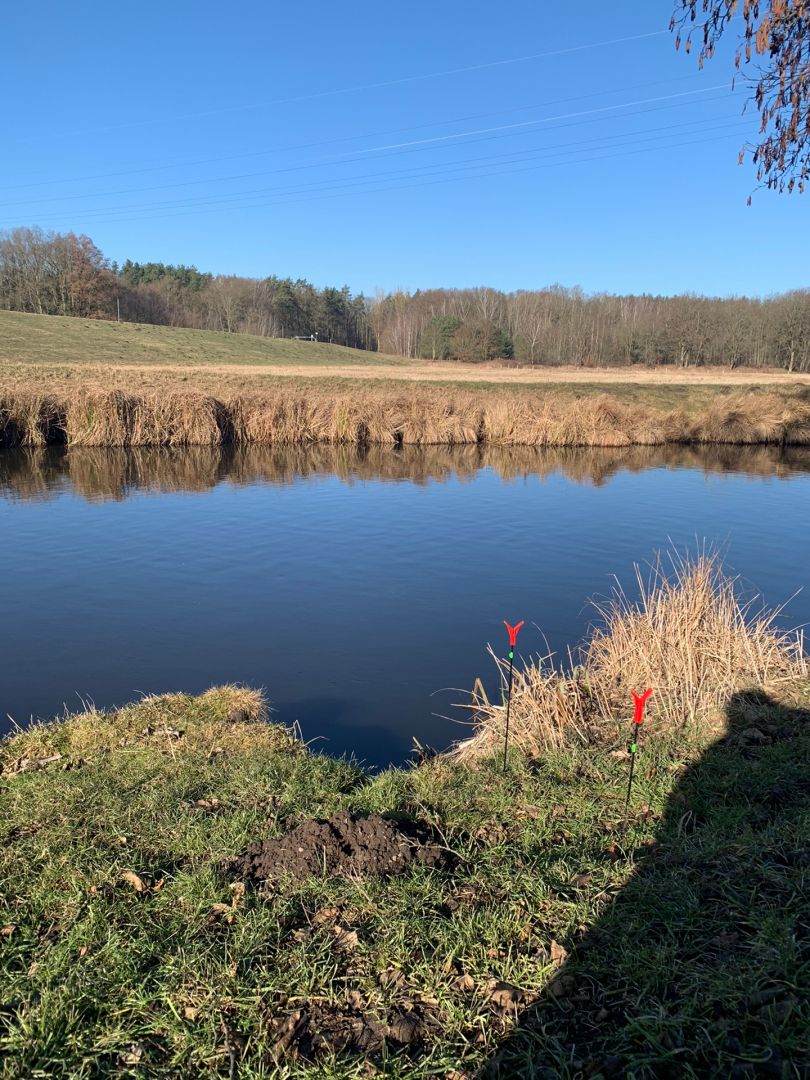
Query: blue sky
[{"x": 429, "y": 144}]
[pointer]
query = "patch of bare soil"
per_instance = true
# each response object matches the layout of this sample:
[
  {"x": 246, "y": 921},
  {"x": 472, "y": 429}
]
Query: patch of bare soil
[
  {"x": 322, "y": 1029},
  {"x": 344, "y": 844}
]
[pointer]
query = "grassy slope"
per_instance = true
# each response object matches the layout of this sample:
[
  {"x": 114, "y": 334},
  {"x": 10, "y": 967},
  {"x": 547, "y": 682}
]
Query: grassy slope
[
  {"x": 699, "y": 957},
  {"x": 51, "y": 339}
]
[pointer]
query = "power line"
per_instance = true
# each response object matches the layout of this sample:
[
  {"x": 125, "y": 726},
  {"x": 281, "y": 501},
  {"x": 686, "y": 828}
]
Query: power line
[
  {"x": 352, "y": 89},
  {"x": 544, "y": 120},
  {"x": 339, "y": 139},
  {"x": 428, "y": 183},
  {"x": 380, "y": 151},
  {"x": 511, "y": 157}
]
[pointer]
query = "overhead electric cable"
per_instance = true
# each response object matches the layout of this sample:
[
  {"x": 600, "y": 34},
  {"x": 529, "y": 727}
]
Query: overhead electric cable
[
  {"x": 317, "y": 95},
  {"x": 427, "y": 183},
  {"x": 339, "y": 139},
  {"x": 243, "y": 197},
  {"x": 380, "y": 150}
]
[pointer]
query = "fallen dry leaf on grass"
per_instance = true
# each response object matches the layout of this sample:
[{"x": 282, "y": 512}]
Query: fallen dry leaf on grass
[
  {"x": 344, "y": 939},
  {"x": 464, "y": 984},
  {"x": 558, "y": 954},
  {"x": 7, "y": 931},
  {"x": 133, "y": 879},
  {"x": 393, "y": 979},
  {"x": 238, "y": 889},
  {"x": 221, "y": 913},
  {"x": 581, "y": 880},
  {"x": 504, "y": 995},
  {"x": 133, "y": 1055}
]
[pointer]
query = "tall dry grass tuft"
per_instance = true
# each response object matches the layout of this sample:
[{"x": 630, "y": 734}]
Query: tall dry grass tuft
[
  {"x": 115, "y": 418},
  {"x": 753, "y": 418},
  {"x": 687, "y": 634},
  {"x": 30, "y": 419},
  {"x": 692, "y": 637}
]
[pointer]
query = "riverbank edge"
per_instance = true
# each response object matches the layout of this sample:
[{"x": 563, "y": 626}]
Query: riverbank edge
[{"x": 424, "y": 416}]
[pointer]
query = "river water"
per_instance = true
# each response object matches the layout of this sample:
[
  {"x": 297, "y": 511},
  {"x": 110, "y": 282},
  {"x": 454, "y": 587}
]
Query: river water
[{"x": 358, "y": 588}]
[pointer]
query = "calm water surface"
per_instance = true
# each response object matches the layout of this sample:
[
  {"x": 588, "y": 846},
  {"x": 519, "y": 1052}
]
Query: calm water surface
[{"x": 355, "y": 588}]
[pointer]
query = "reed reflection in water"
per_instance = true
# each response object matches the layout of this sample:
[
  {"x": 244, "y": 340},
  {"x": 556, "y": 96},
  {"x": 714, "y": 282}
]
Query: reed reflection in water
[{"x": 116, "y": 473}]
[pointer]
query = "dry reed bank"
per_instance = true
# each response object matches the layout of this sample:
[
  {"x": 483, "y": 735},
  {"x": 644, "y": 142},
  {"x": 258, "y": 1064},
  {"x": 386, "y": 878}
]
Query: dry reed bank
[
  {"x": 287, "y": 414},
  {"x": 688, "y": 635}
]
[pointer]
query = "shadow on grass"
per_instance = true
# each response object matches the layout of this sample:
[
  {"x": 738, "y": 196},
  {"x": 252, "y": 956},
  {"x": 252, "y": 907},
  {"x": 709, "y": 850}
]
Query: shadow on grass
[{"x": 701, "y": 965}]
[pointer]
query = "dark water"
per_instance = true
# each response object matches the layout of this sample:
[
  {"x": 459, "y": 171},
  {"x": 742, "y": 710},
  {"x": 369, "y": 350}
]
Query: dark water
[{"x": 354, "y": 587}]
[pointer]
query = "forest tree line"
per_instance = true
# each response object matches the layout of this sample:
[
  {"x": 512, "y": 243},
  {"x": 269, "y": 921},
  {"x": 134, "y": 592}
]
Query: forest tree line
[{"x": 65, "y": 274}]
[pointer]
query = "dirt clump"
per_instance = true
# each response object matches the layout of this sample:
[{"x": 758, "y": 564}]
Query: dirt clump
[
  {"x": 321, "y": 1029},
  {"x": 345, "y": 844}
]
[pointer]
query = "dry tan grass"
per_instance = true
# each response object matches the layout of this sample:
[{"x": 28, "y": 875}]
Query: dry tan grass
[
  {"x": 387, "y": 416},
  {"x": 767, "y": 418},
  {"x": 224, "y": 719},
  {"x": 688, "y": 636}
]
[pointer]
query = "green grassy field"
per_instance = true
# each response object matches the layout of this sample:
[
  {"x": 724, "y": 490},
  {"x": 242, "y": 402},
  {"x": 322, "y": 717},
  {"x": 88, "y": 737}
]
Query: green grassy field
[
  {"x": 566, "y": 941},
  {"x": 52, "y": 339}
]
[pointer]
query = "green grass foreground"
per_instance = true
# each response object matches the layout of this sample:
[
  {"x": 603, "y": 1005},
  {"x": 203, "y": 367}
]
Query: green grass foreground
[{"x": 564, "y": 942}]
